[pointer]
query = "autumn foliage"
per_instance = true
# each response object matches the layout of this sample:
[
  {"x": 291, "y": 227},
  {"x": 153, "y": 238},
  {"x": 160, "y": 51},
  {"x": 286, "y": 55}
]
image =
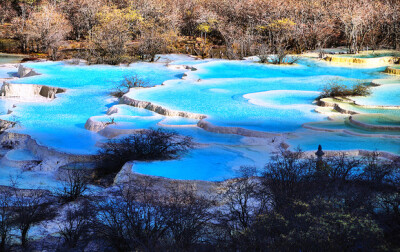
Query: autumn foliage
[{"x": 116, "y": 29}]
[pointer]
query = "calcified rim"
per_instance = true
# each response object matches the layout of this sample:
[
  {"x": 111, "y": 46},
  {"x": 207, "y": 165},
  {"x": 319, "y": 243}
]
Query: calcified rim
[
  {"x": 336, "y": 103},
  {"x": 392, "y": 70},
  {"x": 375, "y": 61}
]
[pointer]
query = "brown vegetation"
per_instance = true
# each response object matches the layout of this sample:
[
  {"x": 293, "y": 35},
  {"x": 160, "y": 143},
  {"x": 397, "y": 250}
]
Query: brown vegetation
[
  {"x": 125, "y": 30},
  {"x": 335, "y": 89}
]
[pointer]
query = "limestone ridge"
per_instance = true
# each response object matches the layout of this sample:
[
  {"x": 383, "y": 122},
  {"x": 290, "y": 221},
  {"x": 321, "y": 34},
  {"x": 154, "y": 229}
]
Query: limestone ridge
[
  {"x": 29, "y": 90},
  {"x": 159, "y": 109},
  {"x": 370, "y": 61},
  {"x": 392, "y": 70}
]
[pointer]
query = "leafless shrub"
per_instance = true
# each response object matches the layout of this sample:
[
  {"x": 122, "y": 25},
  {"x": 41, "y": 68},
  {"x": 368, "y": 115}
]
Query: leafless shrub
[
  {"x": 77, "y": 226},
  {"x": 263, "y": 53},
  {"x": 148, "y": 145},
  {"x": 110, "y": 122},
  {"x": 335, "y": 89},
  {"x": 282, "y": 58},
  {"x": 128, "y": 83}
]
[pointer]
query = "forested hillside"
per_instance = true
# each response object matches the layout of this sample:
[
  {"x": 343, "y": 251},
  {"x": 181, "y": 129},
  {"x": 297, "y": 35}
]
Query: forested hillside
[{"x": 114, "y": 31}]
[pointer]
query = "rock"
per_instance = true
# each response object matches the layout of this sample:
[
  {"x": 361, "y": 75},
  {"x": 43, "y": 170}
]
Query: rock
[
  {"x": 125, "y": 175},
  {"x": 93, "y": 125},
  {"x": 26, "y": 72}
]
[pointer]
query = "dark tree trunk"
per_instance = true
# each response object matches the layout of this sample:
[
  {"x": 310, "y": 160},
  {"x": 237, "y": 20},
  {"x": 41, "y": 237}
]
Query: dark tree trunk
[{"x": 24, "y": 240}]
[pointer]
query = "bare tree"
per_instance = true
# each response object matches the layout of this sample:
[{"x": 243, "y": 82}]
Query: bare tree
[
  {"x": 31, "y": 207},
  {"x": 6, "y": 217},
  {"x": 129, "y": 82},
  {"x": 377, "y": 169},
  {"x": 82, "y": 15},
  {"x": 78, "y": 224},
  {"x": 132, "y": 220},
  {"x": 245, "y": 199},
  {"x": 188, "y": 217},
  {"x": 342, "y": 167},
  {"x": 285, "y": 175},
  {"x": 151, "y": 43},
  {"x": 74, "y": 186},
  {"x": 110, "y": 36},
  {"x": 48, "y": 28}
]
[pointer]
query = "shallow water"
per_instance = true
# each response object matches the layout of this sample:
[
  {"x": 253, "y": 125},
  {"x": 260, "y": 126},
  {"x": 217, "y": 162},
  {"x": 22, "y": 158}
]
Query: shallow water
[
  {"x": 60, "y": 123},
  {"x": 252, "y": 95},
  {"x": 242, "y": 94},
  {"x": 10, "y": 58}
]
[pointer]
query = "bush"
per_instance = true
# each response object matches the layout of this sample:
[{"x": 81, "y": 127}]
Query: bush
[
  {"x": 335, "y": 89},
  {"x": 151, "y": 43},
  {"x": 144, "y": 146},
  {"x": 281, "y": 58},
  {"x": 128, "y": 83},
  {"x": 320, "y": 225}
]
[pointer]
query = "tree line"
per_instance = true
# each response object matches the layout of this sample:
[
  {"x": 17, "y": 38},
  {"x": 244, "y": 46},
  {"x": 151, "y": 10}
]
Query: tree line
[{"x": 114, "y": 31}]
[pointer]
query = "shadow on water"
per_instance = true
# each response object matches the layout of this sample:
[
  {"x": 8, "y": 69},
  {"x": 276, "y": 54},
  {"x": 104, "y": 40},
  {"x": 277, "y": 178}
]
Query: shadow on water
[
  {"x": 179, "y": 76},
  {"x": 13, "y": 74}
]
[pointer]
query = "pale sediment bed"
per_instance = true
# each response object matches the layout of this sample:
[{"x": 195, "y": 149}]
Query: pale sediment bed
[
  {"x": 94, "y": 125},
  {"x": 235, "y": 130},
  {"x": 366, "y": 58}
]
